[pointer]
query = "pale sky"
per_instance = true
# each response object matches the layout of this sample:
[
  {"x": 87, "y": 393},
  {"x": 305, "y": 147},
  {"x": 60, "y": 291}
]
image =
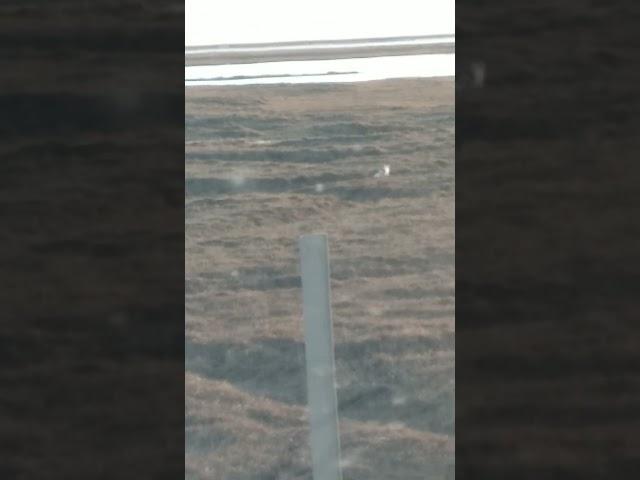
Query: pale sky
[{"x": 212, "y": 22}]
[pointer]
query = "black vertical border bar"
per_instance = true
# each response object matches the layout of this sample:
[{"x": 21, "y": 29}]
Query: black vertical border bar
[
  {"x": 547, "y": 347},
  {"x": 92, "y": 239}
]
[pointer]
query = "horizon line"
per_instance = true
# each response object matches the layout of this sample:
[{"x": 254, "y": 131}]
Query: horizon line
[{"x": 210, "y": 48}]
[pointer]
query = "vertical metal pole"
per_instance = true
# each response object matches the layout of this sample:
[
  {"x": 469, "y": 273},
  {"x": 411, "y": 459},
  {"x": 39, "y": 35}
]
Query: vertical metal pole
[{"x": 321, "y": 386}]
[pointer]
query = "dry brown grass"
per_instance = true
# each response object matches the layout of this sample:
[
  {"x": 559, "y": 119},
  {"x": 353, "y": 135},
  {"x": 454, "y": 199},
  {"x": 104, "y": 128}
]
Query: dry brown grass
[{"x": 265, "y": 165}]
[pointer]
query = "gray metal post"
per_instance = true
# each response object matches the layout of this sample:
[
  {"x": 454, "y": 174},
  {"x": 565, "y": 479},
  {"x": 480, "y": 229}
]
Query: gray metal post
[{"x": 321, "y": 386}]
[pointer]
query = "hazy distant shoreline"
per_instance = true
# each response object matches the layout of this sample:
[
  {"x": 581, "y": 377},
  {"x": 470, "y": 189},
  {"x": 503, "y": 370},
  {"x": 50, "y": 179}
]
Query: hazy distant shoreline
[
  {"x": 436, "y": 38},
  {"x": 318, "y": 50}
]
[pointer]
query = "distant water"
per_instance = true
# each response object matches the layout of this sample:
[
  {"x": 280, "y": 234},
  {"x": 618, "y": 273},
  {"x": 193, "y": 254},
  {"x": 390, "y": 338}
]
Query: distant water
[
  {"x": 323, "y": 71},
  {"x": 324, "y": 45}
]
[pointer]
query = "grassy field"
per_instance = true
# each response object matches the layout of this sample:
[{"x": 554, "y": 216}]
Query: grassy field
[{"x": 265, "y": 165}]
